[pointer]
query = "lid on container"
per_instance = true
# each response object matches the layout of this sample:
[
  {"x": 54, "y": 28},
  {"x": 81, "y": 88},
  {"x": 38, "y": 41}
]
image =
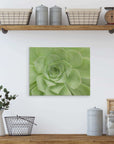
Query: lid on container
[
  {"x": 41, "y": 6},
  {"x": 55, "y": 7},
  {"x": 95, "y": 109}
]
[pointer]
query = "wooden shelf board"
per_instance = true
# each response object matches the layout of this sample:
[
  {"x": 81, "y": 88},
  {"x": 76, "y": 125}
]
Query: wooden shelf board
[
  {"x": 62, "y": 27},
  {"x": 57, "y": 139}
]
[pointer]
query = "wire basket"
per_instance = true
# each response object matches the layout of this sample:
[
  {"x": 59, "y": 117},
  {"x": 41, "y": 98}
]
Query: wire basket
[
  {"x": 19, "y": 125},
  {"x": 83, "y": 16},
  {"x": 15, "y": 16}
]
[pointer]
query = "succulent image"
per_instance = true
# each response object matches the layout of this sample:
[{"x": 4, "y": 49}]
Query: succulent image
[{"x": 59, "y": 71}]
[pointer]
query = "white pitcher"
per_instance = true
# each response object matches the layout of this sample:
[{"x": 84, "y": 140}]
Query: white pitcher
[{"x": 2, "y": 130}]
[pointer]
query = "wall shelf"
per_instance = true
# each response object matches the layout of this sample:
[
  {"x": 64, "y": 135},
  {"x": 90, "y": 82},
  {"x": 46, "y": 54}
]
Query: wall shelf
[
  {"x": 57, "y": 139},
  {"x": 5, "y": 28}
]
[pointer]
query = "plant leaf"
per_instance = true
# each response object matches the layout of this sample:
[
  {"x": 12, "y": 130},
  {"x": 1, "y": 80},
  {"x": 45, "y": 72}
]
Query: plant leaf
[
  {"x": 82, "y": 90},
  {"x": 41, "y": 85},
  {"x": 74, "y": 79},
  {"x": 84, "y": 69},
  {"x": 1, "y": 104},
  {"x": 74, "y": 58},
  {"x": 1, "y": 87},
  {"x": 57, "y": 88},
  {"x": 32, "y": 74}
]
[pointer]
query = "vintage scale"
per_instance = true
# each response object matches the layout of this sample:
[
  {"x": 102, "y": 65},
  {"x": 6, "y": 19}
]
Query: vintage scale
[{"x": 109, "y": 16}]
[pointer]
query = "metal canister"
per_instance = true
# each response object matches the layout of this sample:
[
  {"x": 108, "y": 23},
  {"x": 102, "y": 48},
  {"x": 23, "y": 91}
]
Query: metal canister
[
  {"x": 42, "y": 15},
  {"x": 55, "y": 15},
  {"x": 95, "y": 122}
]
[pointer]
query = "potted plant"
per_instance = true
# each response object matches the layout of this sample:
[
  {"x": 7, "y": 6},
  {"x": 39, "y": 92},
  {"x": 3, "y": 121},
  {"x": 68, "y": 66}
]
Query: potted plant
[{"x": 5, "y": 98}]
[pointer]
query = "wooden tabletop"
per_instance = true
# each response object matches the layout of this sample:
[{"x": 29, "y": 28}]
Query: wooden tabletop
[{"x": 57, "y": 139}]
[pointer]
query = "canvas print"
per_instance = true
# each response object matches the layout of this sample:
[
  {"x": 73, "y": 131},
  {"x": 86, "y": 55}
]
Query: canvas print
[{"x": 59, "y": 71}]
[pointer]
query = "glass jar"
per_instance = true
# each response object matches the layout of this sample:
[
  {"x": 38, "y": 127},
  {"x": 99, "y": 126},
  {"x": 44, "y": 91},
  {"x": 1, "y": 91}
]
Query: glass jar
[{"x": 110, "y": 124}]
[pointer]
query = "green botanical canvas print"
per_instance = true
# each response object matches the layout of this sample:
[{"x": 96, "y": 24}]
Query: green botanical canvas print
[{"x": 59, "y": 71}]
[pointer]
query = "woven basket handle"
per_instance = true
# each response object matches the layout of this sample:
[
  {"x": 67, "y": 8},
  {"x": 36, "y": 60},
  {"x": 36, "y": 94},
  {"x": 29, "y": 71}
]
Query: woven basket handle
[{"x": 26, "y": 120}]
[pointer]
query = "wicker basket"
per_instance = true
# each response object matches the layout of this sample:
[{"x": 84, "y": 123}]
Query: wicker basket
[
  {"x": 19, "y": 125},
  {"x": 83, "y": 16},
  {"x": 15, "y": 16},
  {"x": 110, "y": 105}
]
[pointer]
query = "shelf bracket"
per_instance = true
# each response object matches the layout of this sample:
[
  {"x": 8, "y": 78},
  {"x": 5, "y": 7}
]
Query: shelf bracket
[
  {"x": 4, "y": 31},
  {"x": 111, "y": 31}
]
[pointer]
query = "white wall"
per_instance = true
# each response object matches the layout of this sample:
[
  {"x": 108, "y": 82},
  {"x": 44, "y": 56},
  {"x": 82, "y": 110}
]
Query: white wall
[{"x": 57, "y": 114}]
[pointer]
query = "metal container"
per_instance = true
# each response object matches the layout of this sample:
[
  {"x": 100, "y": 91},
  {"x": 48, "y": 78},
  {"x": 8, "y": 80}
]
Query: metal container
[
  {"x": 55, "y": 15},
  {"x": 83, "y": 16},
  {"x": 15, "y": 16},
  {"x": 19, "y": 125},
  {"x": 110, "y": 124},
  {"x": 42, "y": 15},
  {"x": 94, "y": 122}
]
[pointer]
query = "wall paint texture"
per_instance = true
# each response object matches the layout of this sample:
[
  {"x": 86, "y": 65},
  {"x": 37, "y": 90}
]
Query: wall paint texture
[{"x": 57, "y": 115}]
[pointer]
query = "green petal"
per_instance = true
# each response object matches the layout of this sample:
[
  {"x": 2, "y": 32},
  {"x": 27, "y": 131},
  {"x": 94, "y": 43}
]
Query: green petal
[
  {"x": 31, "y": 86},
  {"x": 55, "y": 70},
  {"x": 39, "y": 64},
  {"x": 49, "y": 83},
  {"x": 86, "y": 81},
  {"x": 33, "y": 55},
  {"x": 61, "y": 79},
  {"x": 65, "y": 92},
  {"x": 41, "y": 83},
  {"x": 85, "y": 52},
  {"x": 56, "y": 89},
  {"x": 46, "y": 74},
  {"x": 74, "y": 58},
  {"x": 49, "y": 93},
  {"x": 36, "y": 92},
  {"x": 42, "y": 51},
  {"x": 84, "y": 69},
  {"x": 32, "y": 74},
  {"x": 82, "y": 90},
  {"x": 51, "y": 58},
  {"x": 74, "y": 80},
  {"x": 60, "y": 52},
  {"x": 67, "y": 67}
]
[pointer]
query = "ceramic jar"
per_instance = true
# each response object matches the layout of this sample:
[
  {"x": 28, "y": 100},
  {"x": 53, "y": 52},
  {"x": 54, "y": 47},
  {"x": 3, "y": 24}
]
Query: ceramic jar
[
  {"x": 2, "y": 131},
  {"x": 55, "y": 15},
  {"x": 94, "y": 122},
  {"x": 42, "y": 15}
]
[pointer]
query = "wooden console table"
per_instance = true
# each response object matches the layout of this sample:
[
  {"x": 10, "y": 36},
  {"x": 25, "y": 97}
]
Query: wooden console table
[{"x": 57, "y": 139}]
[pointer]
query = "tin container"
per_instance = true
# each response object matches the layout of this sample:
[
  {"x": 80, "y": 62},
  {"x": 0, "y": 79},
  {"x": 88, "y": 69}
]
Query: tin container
[
  {"x": 42, "y": 15},
  {"x": 55, "y": 15},
  {"x": 94, "y": 122},
  {"x": 110, "y": 124}
]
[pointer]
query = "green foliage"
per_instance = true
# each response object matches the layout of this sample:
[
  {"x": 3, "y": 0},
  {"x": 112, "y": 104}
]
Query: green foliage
[
  {"x": 5, "y": 98},
  {"x": 59, "y": 71}
]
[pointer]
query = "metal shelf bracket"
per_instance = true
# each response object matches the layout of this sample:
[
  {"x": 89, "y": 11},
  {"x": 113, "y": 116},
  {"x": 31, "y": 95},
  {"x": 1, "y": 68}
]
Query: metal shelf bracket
[
  {"x": 111, "y": 31},
  {"x": 4, "y": 31}
]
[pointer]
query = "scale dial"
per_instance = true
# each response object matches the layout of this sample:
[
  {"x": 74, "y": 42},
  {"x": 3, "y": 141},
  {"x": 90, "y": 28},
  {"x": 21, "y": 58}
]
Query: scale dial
[{"x": 109, "y": 17}]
